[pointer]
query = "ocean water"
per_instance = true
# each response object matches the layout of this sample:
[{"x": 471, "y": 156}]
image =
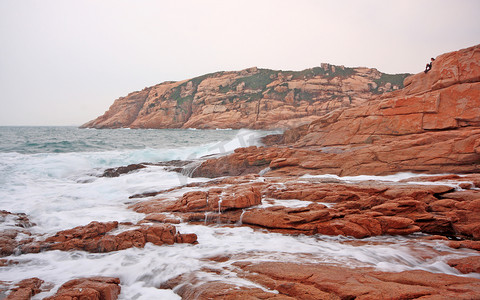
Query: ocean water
[{"x": 51, "y": 174}]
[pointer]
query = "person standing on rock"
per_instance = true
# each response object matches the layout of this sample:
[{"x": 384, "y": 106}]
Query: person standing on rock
[{"x": 429, "y": 65}]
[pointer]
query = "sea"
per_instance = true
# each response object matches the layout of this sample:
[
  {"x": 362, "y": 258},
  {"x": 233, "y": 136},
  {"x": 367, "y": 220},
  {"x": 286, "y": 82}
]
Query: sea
[{"x": 52, "y": 175}]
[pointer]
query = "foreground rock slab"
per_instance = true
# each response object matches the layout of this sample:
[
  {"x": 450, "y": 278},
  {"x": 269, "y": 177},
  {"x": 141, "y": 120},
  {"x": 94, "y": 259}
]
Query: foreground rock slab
[{"x": 284, "y": 280}]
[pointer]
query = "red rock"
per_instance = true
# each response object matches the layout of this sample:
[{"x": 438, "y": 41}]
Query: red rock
[
  {"x": 25, "y": 289},
  {"x": 221, "y": 290},
  {"x": 283, "y": 162},
  {"x": 7, "y": 262},
  {"x": 94, "y": 237},
  {"x": 469, "y": 229},
  {"x": 394, "y": 222},
  {"x": 270, "y": 219},
  {"x": 467, "y": 264},
  {"x": 323, "y": 281},
  {"x": 189, "y": 238},
  {"x": 101, "y": 288},
  {"x": 162, "y": 218},
  {"x": 8, "y": 236},
  {"x": 443, "y": 205},
  {"x": 133, "y": 238},
  {"x": 403, "y": 206},
  {"x": 471, "y": 206},
  {"x": 362, "y": 209},
  {"x": 344, "y": 283},
  {"x": 214, "y": 200},
  {"x": 463, "y": 195},
  {"x": 475, "y": 245},
  {"x": 92, "y": 230}
]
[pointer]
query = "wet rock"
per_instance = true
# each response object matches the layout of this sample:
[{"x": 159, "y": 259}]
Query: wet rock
[
  {"x": 215, "y": 199},
  {"x": 101, "y": 288},
  {"x": 366, "y": 283},
  {"x": 466, "y": 265},
  {"x": 15, "y": 224},
  {"x": 175, "y": 165},
  {"x": 96, "y": 237},
  {"x": 162, "y": 218},
  {"x": 25, "y": 289},
  {"x": 475, "y": 245},
  {"x": 115, "y": 172},
  {"x": 189, "y": 288},
  {"x": 359, "y": 209},
  {"x": 241, "y": 162},
  {"x": 322, "y": 281},
  {"x": 7, "y": 262}
]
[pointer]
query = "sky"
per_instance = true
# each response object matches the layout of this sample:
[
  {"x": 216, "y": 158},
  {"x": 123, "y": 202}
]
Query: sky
[{"x": 64, "y": 62}]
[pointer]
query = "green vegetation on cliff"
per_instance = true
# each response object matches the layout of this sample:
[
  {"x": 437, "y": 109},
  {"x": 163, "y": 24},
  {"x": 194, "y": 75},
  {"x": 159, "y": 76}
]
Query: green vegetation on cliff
[{"x": 252, "y": 86}]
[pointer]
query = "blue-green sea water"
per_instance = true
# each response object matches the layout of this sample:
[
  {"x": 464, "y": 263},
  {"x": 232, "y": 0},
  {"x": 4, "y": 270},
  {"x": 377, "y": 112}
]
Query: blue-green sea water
[{"x": 28, "y": 140}]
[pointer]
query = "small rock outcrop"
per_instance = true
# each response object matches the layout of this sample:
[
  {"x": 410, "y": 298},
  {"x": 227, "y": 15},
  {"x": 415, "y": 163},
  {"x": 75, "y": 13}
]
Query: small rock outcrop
[{"x": 100, "y": 237}]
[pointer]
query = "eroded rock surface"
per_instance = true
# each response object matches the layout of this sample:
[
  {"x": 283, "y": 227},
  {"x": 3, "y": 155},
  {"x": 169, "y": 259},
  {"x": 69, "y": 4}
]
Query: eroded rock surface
[{"x": 330, "y": 206}]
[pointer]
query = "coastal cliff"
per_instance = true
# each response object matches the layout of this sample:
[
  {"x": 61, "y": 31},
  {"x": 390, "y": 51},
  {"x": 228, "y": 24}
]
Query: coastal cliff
[{"x": 253, "y": 98}]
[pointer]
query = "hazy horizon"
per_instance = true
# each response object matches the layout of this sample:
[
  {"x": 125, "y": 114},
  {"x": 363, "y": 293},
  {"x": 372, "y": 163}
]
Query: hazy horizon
[{"x": 65, "y": 62}]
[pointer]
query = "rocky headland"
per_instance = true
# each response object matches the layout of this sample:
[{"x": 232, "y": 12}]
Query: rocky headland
[
  {"x": 304, "y": 183},
  {"x": 253, "y": 98}
]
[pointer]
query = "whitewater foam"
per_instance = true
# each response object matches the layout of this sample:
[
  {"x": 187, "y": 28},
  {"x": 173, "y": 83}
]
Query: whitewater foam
[
  {"x": 398, "y": 177},
  {"x": 141, "y": 269}
]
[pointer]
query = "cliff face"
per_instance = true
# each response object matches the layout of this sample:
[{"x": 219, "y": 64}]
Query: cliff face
[
  {"x": 252, "y": 98},
  {"x": 432, "y": 125}
]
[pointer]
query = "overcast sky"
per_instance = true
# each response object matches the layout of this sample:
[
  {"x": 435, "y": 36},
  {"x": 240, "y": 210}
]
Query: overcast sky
[{"x": 64, "y": 62}]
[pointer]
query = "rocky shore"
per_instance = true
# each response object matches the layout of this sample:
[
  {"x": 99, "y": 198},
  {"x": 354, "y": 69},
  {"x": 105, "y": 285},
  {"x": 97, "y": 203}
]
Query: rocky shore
[{"x": 312, "y": 181}]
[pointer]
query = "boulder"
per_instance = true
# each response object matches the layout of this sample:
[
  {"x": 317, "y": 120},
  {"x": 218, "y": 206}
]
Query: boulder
[
  {"x": 95, "y": 288},
  {"x": 25, "y": 289}
]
